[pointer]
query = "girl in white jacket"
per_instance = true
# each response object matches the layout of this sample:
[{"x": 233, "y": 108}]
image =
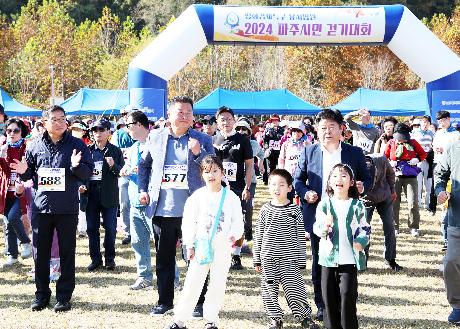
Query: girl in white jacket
[{"x": 200, "y": 212}]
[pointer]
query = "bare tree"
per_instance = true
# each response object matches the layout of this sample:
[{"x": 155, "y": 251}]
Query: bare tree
[{"x": 375, "y": 73}]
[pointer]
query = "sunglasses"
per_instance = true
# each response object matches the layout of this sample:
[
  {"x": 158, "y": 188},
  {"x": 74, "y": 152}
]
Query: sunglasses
[
  {"x": 98, "y": 129},
  {"x": 14, "y": 131},
  {"x": 129, "y": 124},
  {"x": 207, "y": 122},
  {"x": 242, "y": 129}
]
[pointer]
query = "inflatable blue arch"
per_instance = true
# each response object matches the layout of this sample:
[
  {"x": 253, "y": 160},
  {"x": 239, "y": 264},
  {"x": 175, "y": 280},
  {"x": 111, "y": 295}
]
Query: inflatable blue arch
[{"x": 199, "y": 25}]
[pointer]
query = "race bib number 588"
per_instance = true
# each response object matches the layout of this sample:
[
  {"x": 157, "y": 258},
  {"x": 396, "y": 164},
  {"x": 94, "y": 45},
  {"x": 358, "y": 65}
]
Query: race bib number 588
[{"x": 51, "y": 179}]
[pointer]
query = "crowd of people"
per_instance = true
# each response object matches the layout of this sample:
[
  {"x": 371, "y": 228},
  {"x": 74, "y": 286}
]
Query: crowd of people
[{"x": 189, "y": 184}]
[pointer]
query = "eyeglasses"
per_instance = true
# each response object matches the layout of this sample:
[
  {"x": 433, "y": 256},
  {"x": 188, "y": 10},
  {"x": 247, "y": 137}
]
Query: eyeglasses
[
  {"x": 14, "y": 131},
  {"x": 98, "y": 129},
  {"x": 57, "y": 120}
]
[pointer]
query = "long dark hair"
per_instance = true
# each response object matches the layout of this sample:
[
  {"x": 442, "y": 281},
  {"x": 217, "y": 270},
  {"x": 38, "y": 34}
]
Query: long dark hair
[{"x": 352, "y": 191}]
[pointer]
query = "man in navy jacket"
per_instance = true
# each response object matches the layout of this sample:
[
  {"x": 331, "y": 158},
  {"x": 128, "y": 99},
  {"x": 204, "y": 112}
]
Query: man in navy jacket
[
  {"x": 311, "y": 175},
  {"x": 56, "y": 162}
]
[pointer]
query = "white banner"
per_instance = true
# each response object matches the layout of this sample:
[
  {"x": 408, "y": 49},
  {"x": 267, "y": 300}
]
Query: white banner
[{"x": 299, "y": 24}]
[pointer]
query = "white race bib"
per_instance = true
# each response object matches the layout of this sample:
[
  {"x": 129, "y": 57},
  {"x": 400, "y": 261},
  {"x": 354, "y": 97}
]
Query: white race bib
[
  {"x": 275, "y": 145},
  {"x": 51, "y": 179},
  {"x": 230, "y": 169},
  {"x": 365, "y": 144},
  {"x": 97, "y": 171},
  {"x": 174, "y": 176},
  {"x": 12, "y": 180}
]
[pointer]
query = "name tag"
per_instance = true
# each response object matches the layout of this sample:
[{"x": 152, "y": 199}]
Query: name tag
[
  {"x": 230, "y": 169},
  {"x": 365, "y": 144},
  {"x": 276, "y": 145},
  {"x": 51, "y": 179},
  {"x": 174, "y": 176},
  {"x": 97, "y": 171},
  {"x": 12, "y": 180}
]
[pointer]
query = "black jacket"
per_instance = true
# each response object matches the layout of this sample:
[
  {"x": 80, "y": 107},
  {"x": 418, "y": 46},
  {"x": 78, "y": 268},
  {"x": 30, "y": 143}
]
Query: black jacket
[
  {"x": 108, "y": 187},
  {"x": 43, "y": 153}
]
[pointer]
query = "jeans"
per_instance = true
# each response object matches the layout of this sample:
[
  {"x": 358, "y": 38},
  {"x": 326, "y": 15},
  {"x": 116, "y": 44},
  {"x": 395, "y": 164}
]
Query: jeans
[
  {"x": 385, "y": 211},
  {"x": 140, "y": 241},
  {"x": 452, "y": 267},
  {"x": 125, "y": 206},
  {"x": 409, "y": 185},
  {"x": 109, "y": 222},
  {"x": 14, "y": 226},
  {"x": 424, "y": 180}
]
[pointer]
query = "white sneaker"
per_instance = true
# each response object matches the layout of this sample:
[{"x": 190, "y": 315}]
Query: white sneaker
[
  {"x": 414, "y": 232},
  {"x": 10, "y": 261},
  {"x": 26, "y": 250},
  {"x": 396, "y": 232}
]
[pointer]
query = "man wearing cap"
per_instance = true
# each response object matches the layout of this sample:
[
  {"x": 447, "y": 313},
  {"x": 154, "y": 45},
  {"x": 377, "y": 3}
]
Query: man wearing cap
[
  {"x": 168, "y": 173},
  {"x": 272, "y": 145},
  {"x": 424, "y": 136},
  {"x": 102, "y": 193},
  {"x": 123, "y": 140},
  {"x": 56, "y": 162},
  {"x": 365, "y": 134}
]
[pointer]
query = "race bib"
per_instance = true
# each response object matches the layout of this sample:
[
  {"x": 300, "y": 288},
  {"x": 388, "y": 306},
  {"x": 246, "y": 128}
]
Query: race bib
[
  {"x": 51, "y": 179},
  {"x": 174, "y": 176},
  {"x": 230, "y": 169},
  {"x": 365, "y": 144},
  {"x": 97, "y": 171},
  {"x": 13, "y": 178},
  {"x": 276, "y": 145}
]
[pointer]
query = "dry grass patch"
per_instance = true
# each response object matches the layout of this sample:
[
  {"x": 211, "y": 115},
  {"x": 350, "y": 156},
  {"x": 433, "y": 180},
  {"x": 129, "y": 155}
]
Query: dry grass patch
[{"x": 414, "y": 298}]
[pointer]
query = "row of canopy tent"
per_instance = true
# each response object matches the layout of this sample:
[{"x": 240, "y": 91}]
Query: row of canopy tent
[{"x": 280, "y": 101}]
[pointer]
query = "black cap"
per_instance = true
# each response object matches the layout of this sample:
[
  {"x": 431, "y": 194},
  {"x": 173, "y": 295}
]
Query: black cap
[{"x": 101, "y": 123}]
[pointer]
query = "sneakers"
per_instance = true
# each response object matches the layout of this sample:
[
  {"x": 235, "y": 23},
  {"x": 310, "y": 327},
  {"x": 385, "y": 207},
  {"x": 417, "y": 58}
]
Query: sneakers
[
  {"x": 236, "y": 263},
  {"x": 62, "y": 307},
  {"x": 198, "y": 311},
  {"x": 275, "y": 324},
  {"x": 396, "y": 232},
  {"x": 10, "y": 261},
  {"x": 94, "y": 265},
  {"x": 210, "y": 325},
  {"x": 141, "y": 283},
  {"x": 26, "y": 250},
  {"x": 174, "y": 326},
  {"x": 308, "y": 323},
  {"x": 414, "y": 232},
  {"x": 161, "y": 310},
  {"x": 454, "y": 316},
  {"x": 110, "y": 264},
  {"x": 393, "y": 265},
  {"x": 444, "y": 247}
]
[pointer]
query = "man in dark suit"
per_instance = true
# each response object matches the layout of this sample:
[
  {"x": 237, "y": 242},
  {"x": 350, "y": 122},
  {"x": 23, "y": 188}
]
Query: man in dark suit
[{"x": 310, "y": 179}]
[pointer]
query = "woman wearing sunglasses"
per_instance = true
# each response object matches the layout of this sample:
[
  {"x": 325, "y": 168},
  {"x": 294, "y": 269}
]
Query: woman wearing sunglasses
[{"x": 12, "y": 202}]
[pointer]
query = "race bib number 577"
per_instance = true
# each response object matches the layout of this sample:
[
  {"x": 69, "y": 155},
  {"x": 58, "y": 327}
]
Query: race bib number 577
[
  {"x": 51, "y": 179},
  {"x": 174, "y": 176}
]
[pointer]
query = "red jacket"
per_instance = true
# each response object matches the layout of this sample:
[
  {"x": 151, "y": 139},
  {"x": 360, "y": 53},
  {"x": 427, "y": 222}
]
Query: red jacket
[
  {"x": 407, "y": 155},
  {"x": 5, "y": 173}
]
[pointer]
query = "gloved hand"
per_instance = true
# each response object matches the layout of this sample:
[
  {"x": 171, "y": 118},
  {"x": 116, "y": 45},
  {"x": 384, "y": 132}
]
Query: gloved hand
[{"x": 414, "y": 161}]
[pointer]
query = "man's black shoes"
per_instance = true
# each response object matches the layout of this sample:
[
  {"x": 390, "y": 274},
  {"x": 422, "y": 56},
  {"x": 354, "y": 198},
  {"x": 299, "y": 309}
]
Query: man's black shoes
[
  {"x": 94, "y": 265},
  {"x": 62, "y": 307},
  {"x": 110, "y": 264},
  {"x": 39, "y": 304}
]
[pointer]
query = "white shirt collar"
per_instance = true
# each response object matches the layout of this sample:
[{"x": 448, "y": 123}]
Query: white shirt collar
[{"x": 339, "y": 149}]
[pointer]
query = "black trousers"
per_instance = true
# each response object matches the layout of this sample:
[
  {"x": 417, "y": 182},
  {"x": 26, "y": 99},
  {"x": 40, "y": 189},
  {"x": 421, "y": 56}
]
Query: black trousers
[
  {"x": 316, "y": 271},
  {"x": 66, "y": 226},
  {"x": 340, "y": 292},
  {"x": 167, "y": 232}
]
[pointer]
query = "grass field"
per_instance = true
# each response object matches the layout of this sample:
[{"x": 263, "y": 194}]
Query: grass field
[{"x": 414, "y": 298}]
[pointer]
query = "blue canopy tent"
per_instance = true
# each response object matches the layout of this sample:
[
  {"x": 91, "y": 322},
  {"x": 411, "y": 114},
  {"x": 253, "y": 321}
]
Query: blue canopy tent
[
  {"x": 280, "y": 101},
  {"x": 14, "y": 108},
  {"x": 384, "y": 103},
  {"x": 96, "y": 101}
]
